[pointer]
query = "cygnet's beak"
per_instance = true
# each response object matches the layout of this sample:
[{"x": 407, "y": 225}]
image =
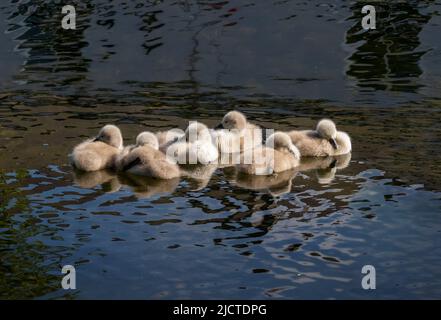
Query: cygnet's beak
[
  {"x": 333, "y": 143},
  {"x": 219, "y": 126},
  {"x": 333, "y": 164},
  {"x": 97, "y": 138},
  {"x": 293, "y": 151}
]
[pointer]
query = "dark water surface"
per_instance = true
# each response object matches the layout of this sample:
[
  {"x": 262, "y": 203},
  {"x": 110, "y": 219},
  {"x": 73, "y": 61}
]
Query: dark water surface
[{"x": 153, "y": 65}]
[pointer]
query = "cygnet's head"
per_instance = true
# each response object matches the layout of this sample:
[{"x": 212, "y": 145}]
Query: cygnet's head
[
  {"x": 233, "y": 120},
  {"x": 111, "y": 135},
  {"x": 327, "y": 130},
  {"x": 147, "y": 138},
  {"x": 197, "y": 131},
  {"x": 282, "y": 142}
]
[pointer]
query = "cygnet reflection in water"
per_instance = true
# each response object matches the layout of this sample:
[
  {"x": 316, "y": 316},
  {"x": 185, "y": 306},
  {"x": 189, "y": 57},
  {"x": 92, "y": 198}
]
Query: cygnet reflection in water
[
  {"x": 146, "y": 187},
  {"x": 200, "y": 175},
  {"x": 325, "y": 167},
  {"x": 276, "y": 184},
  {"x": 107, "y": 179}
]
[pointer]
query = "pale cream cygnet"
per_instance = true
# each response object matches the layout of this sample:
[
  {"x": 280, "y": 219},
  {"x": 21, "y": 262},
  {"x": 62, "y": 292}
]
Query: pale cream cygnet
[
  {"x": 142, "y": 139},
  {"x": 322, "y": 142},
  {"x": 146, "y": 160},
  {"x": 195, "y": 147},
  {"x": 100, "y": 152},
  {"x": 278, "y": 155},
  {"x": 235, "y": 134}
]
